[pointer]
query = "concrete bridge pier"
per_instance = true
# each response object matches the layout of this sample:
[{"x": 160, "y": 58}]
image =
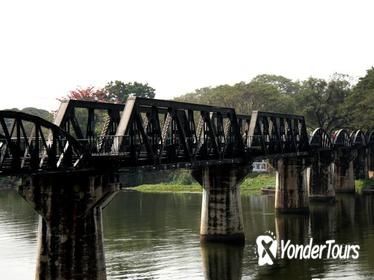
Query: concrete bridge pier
[
  {"x": 221, "y": 212},
  {"x": 361, "y": 164},
  {"x": 291, "y": 193},
  {"x": 70, "y": 228},
  {"x": 370, "y": 162},
  {"x": 344, "y": 179},
  {"x": 321, "y": 179}
]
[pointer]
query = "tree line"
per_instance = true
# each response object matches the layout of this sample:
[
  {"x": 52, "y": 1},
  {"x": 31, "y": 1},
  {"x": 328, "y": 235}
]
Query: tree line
[
  {"x": 330, "y": 104},
  {"x": 334, "y": 103}
]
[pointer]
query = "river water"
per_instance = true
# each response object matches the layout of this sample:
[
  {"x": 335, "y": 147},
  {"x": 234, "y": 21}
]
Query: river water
[{"x": 156, "y": 236}]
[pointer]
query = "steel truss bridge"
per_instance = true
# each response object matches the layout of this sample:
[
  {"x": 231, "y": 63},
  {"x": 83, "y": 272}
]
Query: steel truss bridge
[{"x": 161, "y": 134}]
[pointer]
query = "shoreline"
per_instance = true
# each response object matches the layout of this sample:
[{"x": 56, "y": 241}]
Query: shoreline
[{"x": 250, "y": 186}]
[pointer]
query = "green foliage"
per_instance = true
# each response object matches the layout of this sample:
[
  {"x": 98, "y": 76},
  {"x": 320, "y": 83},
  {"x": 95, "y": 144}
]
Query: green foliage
[
  {"x": 9, "y": 182},
  {"x": 168, "y": 188},
  {"x": 118, "y": 91},
  {"x": 282, "y": 84},
  {"x": 361, "y": 102},
  {"x": 323, "y": 103},
  {"x": 363, "y": 184},
  {"x": 44, "y": 114},
  {"x": 114, "y": 91},
  {"x": 181, "y": 177},
  {"x": 259, "y": 180},
  {"x": 265, "y": 92},
  {"x": 251, "y": 185}
]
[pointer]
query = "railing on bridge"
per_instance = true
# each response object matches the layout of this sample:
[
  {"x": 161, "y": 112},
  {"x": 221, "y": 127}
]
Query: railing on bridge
[
  {"x": 149, "y": 132},
  {"x": 153, "y": 132},
  {"x": 45, "y": 148}
]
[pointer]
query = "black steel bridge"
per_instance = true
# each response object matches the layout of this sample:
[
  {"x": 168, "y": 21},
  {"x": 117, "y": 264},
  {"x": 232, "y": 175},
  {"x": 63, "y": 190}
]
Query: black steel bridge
[
  {"x": 70, "y": 168},
  {"x": 157, "y": 134}
]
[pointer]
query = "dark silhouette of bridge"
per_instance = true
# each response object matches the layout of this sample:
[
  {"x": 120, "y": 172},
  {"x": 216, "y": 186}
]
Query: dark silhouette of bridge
[{"x": 70, "y": 168}]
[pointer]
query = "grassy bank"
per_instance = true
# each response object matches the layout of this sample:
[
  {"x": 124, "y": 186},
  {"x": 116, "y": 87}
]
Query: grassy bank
[
  {"x": 251, "y": 185},
  {"x": 364, "y": 184}
]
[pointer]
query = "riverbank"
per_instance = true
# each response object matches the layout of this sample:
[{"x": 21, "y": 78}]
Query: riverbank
[
  {"x": 364, "y": 185},
  {"x": 251, "y": 185},
  {"x": 9, "y": 182}
]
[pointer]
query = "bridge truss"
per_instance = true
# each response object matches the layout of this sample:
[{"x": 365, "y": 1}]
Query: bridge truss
[{"x": 157, "y": 134}]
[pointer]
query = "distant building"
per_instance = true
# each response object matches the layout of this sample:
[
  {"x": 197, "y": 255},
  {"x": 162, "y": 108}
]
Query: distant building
[{"x": 260, "y": 166}]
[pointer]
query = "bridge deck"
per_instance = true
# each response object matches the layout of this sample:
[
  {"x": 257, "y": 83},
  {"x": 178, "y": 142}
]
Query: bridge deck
[{"x": 154, "y": 134}]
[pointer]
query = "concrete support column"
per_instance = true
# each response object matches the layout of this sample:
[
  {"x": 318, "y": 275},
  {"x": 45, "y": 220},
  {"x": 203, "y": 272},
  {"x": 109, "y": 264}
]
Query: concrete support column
[
  {"x": 70, "y": 229},
  {"x": 370, "y": 162},
  {"x": 321, "y": 179},
  {"x": 291, "y": 195},
  {"x": 360, "y": 164},
  {"x": 344, "y": 179},
  {"x": 221, "y": 212}
]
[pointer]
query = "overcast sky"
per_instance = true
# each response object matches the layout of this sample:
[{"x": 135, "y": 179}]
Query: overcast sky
[{"x": 50, "y": 47}]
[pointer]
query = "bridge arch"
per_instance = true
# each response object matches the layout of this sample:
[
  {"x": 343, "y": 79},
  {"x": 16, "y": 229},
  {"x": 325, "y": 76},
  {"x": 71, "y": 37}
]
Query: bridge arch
[
  {"x": 31, "y": 144},
  {"x": 341, "y": 138},
  {"x": 358, "y": 138},
  {"x": 320, "y": 139},
  {"x": 370, "y": 138}
]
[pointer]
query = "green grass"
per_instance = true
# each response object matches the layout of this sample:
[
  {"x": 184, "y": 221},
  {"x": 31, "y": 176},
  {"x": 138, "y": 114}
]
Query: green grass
[
  {"x": 364, "y": 184},
  {"x": 251, "y": 185},
  {"x": 168, "y": 187}
]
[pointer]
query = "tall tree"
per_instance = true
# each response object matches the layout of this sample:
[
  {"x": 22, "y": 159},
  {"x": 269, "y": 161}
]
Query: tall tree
[
  {"x": 89, "y": 93},
  {"x": 259, "y": 94},
  {"x": 361, "y": 103},
  {"x": 283, "y": 84},
  {"x": 323, "y": 102},
  {"x": 118, "y": 91}
]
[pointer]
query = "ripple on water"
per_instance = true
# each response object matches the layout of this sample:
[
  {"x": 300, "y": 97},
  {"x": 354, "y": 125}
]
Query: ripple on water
[
  {"x": 150, "y": 236},
  {"x": 18, "y": 238}
]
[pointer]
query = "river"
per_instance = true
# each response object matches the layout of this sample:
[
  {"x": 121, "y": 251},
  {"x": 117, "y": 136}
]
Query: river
[{"x": 156, "y": 236}]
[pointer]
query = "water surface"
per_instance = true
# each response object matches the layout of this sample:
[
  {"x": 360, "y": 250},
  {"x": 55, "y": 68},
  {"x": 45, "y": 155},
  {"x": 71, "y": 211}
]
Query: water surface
[{"x": 156, "y": 236}]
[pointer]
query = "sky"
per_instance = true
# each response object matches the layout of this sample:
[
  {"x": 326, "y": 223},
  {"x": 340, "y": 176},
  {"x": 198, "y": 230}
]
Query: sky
[{"x": 48, "y": 48}]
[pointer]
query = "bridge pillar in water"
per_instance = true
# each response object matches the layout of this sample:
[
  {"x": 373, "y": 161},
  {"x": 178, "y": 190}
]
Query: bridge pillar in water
[
  {"x": 221, "y": 212},
  {"x": 70, "y": 227},
  {"x": 361, "y": 164},
  {"x": 291, "y": 193},
  {"x": 321, "y": 178},
  {"x": 370, "y": 162},
  {"x": 344, "y": 178}
]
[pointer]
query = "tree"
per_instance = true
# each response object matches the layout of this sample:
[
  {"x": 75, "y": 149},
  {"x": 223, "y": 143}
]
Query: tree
[
  {"x": 283, "y": 84},
  {"x": 259, "y": 94},
  {"x": 118, "y": 91},
  {"x": 323, "y": 103},
  {"x": 361, "y": 102},
  {"x": 89, "y": 93},
  {"x": 115, "y": 92}
]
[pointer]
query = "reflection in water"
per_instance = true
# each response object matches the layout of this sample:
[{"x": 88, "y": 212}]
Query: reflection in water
[
  {"x": 156, "y": 236},
  {"x": 292, "y": 227},
  {"x": 322, "y": 221},
  {"x": 222, "y": 262},
  {"x": 346, "y": 209},
  {"x": 18, "y": 232}
]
